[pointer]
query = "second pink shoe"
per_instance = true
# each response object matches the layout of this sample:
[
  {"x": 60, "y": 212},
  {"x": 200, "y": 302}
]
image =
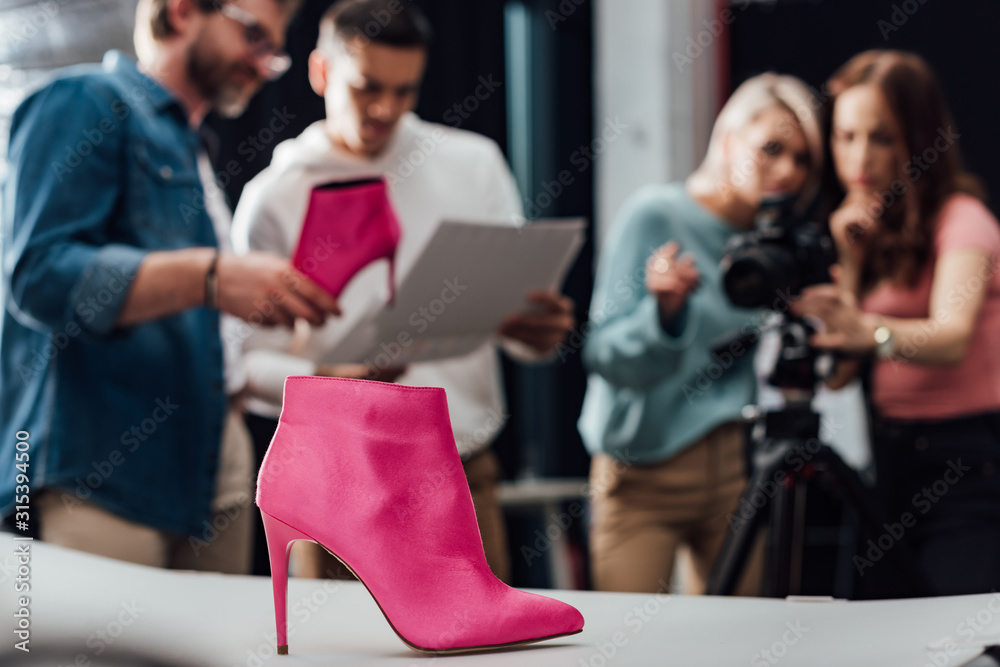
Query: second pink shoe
[{"x": 348, "y": 225}]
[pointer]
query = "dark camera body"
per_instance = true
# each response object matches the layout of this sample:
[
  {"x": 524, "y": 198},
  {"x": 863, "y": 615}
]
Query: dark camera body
[
  {"x": 784, "y": 254},
  {"x": 763, "y": 268}
]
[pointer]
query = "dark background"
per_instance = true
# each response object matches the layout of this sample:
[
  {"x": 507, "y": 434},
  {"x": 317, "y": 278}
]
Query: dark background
[{"x": 958, "y": 38}]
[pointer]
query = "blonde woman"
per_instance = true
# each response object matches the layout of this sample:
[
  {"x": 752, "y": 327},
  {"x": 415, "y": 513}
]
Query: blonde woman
[{"x": 662, "y": 411}]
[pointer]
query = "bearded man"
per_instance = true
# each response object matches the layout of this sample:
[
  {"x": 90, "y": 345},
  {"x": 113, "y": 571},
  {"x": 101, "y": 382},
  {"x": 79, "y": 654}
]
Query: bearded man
[{"x": 117, "y": 285}]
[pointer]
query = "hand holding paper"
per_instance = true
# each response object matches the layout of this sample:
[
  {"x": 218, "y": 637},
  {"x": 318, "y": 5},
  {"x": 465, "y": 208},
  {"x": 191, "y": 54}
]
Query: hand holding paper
[
  {"x": 543, "y": 326},
  {"x": 472, "y": 281}
]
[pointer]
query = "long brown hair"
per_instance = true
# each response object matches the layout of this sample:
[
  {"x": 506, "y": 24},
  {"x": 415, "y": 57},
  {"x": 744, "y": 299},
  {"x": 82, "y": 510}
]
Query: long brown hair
[{"x": 899, "y": 247}]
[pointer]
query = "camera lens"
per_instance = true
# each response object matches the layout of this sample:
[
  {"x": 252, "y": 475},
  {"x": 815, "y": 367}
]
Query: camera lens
[{"x": 754, "y": 276}]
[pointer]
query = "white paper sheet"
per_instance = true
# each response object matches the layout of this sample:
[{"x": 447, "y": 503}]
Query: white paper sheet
[{"x": 468, "y": 278}]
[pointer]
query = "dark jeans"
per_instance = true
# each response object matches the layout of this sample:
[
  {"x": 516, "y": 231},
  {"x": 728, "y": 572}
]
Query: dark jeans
[
  {"x": 940, "y": 484},
  {"x": 261, "y": 431}
]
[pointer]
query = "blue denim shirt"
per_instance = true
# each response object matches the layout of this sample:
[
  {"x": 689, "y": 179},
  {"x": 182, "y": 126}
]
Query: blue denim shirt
[{"x": 103, "y": 169}]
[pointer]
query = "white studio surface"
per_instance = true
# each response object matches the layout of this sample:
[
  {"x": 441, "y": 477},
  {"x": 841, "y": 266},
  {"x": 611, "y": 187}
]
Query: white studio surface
[{"x": 92, "y": 608}]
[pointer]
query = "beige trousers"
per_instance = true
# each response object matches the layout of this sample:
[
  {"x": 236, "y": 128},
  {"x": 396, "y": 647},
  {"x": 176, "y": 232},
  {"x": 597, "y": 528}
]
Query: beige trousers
[
  {"x": 224, "y": 546},
  {"x": 483, "y": 473},
  {"x": 642, "y": 514}
]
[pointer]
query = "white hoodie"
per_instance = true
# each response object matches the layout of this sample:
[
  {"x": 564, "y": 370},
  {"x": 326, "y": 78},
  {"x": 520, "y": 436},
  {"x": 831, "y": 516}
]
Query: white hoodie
[{"x": 434, "y": 173}]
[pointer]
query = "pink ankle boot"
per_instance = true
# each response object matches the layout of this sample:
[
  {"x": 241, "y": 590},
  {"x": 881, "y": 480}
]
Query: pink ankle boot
[
  {"x": 370, "y": 471},
  {"x": 348, "y": 225}
]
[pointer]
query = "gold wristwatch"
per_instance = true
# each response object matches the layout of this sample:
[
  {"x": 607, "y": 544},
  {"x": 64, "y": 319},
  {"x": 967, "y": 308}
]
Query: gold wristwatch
[{"x": 885, "y": 343}]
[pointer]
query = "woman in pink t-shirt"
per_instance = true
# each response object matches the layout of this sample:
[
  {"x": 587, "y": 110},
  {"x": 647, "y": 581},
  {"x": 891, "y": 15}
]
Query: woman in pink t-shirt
[{"x": 917, "y": 291}]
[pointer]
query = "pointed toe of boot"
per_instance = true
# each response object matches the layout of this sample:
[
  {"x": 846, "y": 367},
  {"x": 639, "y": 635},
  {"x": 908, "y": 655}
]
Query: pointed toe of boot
[
  {"x": 537, "y": 617},
  {"x": 565, "y": 619}
]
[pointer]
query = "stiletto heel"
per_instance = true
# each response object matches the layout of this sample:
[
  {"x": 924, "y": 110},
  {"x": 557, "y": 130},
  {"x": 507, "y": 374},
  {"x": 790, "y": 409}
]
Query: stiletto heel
[
  {"x": 370, "y": 470},
  {"x": 392, "y": 279},
  {"x": 280, "y": 537}
]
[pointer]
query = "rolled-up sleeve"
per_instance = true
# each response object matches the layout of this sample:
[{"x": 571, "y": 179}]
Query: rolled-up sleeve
[{"x": 60, "y": 199}]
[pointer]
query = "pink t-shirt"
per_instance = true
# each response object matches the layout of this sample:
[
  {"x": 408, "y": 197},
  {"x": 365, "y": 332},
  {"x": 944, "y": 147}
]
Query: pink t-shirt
[{"x": 908, "y": 390}]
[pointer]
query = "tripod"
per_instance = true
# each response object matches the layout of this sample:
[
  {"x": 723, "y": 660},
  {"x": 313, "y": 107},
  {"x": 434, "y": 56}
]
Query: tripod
[{"x": 786, "y": 451}]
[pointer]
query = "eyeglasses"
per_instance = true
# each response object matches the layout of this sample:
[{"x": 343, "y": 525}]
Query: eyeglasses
[{"x": 275, "y": 61}]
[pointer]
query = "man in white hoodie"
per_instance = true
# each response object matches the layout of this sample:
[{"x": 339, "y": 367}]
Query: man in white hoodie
[{"x": 368, "y": 67}]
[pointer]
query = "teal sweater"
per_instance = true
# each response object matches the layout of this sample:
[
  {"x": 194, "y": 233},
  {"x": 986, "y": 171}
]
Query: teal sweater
[{"x": 653, "y": 392}]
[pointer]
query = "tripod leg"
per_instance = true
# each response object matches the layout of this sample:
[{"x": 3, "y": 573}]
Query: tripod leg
[
  {"x": 784, "y": 563},
  {"x": 734, "y": 553}
]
